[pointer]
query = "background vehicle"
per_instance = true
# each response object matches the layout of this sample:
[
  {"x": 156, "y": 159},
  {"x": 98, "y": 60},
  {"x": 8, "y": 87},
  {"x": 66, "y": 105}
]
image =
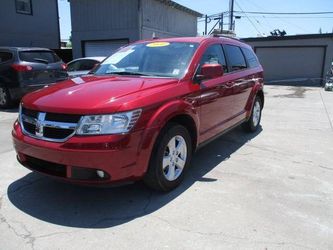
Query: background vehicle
[
  {"x": 143, "y": 112},
  {"x": 23, "y": 70},
  {"x": 82, "y": 66}
]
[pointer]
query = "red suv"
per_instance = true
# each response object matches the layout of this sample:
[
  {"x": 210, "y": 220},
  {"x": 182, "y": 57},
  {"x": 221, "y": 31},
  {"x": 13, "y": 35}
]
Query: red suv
[{"x": 142, "y": 113}]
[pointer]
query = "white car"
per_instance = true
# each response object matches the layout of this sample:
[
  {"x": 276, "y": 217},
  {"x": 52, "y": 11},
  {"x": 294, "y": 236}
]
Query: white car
[{"x": 82, "y": 66}]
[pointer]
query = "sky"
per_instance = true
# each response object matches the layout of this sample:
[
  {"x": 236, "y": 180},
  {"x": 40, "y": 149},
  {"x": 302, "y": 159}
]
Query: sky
[{"x": 251, "y": 25}]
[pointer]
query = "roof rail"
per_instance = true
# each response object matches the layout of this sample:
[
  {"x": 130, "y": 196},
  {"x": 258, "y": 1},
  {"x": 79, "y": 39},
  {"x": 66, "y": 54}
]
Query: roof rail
[{"x": 225, "y": 36}]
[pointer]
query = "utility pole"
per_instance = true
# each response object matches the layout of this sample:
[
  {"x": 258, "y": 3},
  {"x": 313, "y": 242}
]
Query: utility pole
[
  {"x": 231, "y": 15},
  {"x": 221, "y": 23},
  {"x": 206, "y": 24}
]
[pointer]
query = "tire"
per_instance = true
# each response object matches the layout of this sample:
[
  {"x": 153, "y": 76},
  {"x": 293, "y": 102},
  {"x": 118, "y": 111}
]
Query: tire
[
  {"x": 170, "y": 158},
  {"x": 5, "y": 98},
  {"x": 253, "y": 123}
]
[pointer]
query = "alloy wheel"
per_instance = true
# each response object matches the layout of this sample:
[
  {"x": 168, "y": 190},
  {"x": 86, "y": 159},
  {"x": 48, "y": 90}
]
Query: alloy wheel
[
  {"x": 3, "y": 96},
  {"x": 256, "y": 113},
  {"x": 174, "y": 158}
]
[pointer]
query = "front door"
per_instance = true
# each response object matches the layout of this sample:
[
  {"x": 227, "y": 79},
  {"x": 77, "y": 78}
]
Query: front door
[{"x": 216, "y": 96}]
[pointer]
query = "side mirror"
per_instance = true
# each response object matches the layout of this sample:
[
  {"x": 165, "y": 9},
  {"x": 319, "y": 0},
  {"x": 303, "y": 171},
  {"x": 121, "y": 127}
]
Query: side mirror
[{"x": 210, "y": 71}]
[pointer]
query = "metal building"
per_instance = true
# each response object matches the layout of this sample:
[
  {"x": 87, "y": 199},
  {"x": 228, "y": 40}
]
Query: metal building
[
  {"x": 300, "y": 58},
  {"x": 29, "y": 23},
  {"x": 99, "y": 27}
]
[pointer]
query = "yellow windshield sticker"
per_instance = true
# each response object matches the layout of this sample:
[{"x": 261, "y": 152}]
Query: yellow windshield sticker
[{"x": 158, "y": 44}]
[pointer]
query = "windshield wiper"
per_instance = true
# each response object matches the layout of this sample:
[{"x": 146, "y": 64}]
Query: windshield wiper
[
  {"x": 41, "y": 60},
  {"x": 127, "y": 73}
]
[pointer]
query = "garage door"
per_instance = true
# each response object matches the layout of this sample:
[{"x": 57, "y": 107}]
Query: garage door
[
  {"x": 102, "y": 48},
  {"x": 284, "y": 63}
]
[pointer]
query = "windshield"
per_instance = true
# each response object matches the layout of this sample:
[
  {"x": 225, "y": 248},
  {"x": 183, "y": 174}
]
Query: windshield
[{"x": 162, "y": 59}]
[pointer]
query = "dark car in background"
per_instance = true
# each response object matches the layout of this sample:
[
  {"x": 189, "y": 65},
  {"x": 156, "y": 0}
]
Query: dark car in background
[{"x": 23, "y": 70}]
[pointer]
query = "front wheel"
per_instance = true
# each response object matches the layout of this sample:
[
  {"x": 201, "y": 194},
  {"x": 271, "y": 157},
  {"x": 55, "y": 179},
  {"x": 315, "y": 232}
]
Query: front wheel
[
  {"x": 5, "y": 99},
  {"x": 170, "y": 158},
  {"x": 253, "y": 123}
]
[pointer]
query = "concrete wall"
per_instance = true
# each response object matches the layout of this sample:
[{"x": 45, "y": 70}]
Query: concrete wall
[
  {"x": 314, "y": 42},
  {"x": 41, "y": 29},
  {"x": 103, "y": 20},
  {"x": 165, "y": 21}
]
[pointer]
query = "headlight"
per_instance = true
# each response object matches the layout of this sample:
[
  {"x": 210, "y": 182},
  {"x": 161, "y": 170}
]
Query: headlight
[{"x": 108, "y": 124}]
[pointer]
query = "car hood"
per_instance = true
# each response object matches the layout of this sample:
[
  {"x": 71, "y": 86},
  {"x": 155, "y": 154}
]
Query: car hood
[{"x": 93, "y": 94}]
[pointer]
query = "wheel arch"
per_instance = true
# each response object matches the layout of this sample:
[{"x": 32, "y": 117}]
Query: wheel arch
[
  {"x": 260, "y": 94},
  {"x": 179, "y": 112},
  {"x": 187, "y": 121}
]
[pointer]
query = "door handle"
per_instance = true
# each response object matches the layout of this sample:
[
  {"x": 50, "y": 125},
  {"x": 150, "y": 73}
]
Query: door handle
[{"x": 229, "y": 84}]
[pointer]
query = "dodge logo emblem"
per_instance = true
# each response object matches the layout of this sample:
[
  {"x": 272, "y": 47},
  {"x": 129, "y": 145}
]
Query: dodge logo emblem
[{"x": 39, "y": 130}]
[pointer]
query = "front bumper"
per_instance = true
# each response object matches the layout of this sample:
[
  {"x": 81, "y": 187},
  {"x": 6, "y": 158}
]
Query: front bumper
[{"x": 78, "y": 159}]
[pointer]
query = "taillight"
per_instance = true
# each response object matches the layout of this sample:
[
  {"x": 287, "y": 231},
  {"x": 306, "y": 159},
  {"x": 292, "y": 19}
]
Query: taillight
[
  {"x": 21, "y": 68},
  {"x": 64, "y": 66}
]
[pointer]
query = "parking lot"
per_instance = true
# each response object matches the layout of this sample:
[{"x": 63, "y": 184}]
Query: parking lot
[{"x": 269, "y": 190}]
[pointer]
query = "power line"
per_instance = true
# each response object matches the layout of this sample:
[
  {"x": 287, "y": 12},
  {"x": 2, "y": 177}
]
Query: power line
[
  {"x": 286, "y": 13},
  {"x": 291, "y": 17},
  {"x": 281, "y": 18},
  {"x": 248, "y": 18}
]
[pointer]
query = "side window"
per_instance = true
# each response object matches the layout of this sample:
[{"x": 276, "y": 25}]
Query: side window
[
  {"x": 5, "y": 56},
  {"x": 87, "y": 64},
  {"x": 235, "y": 57},
  {"x": 214, "y": 55},
  {"x": 251, "y": 58},
  {"x": 74, "y": 66}
]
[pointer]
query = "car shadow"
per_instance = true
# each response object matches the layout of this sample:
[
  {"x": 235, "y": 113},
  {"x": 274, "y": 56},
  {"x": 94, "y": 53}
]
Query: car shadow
[{"x": 88, "y": 207}]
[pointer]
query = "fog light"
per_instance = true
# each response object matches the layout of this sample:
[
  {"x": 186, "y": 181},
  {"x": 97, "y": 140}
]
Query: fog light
[{"x": 100, "y": 173}]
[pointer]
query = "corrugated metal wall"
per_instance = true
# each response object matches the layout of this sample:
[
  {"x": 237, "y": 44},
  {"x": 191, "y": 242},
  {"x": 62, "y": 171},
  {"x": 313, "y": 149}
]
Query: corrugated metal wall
[
  {"x": 102, "y": 20},
  {"x": 106, "y": 20},
  {"x": 38, "y": 30},
  {"x": 166, "y": 21},
  {"x": 103, "y": 15}
]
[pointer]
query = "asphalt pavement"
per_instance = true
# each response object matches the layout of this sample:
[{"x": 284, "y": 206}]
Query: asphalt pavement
[{"x": 268, "y": 190}]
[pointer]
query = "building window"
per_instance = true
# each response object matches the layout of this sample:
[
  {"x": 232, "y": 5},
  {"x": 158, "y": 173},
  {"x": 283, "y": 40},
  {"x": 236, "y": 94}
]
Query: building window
[{"x": 23, "y": 7}]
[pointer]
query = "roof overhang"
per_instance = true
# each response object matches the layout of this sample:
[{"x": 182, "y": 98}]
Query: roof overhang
[{"x": 181, "y": 7}]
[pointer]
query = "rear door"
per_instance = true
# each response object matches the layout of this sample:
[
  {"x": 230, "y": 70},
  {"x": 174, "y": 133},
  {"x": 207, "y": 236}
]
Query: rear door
[{"x": 46, "y": 67}]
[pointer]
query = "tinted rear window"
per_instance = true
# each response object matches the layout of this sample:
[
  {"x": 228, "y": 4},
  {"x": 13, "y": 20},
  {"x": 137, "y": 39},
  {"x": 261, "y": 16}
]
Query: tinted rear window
[
  {"x": 235, "y": 57},
  {"x": 39, "y": 56},
  {"x": 251, "y": 58},
  {"x": 5, "y": 57}
]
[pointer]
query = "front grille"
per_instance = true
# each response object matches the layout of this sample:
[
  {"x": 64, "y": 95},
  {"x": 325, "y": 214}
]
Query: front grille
[
  {"x": 31, "y": 113},
  {"x": 48, "y": 126},
  {"x": 57, "y": 133},
  {"x": 62, "y": 118},
  {"x": 30, "y": 128}
]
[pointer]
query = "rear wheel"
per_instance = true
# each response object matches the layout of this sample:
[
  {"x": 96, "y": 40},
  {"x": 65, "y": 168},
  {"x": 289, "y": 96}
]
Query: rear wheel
[
  {"x": 5, "y": 99},
  {"x": 170, "y": 158},
  {"x": 253, "y": 123}
]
